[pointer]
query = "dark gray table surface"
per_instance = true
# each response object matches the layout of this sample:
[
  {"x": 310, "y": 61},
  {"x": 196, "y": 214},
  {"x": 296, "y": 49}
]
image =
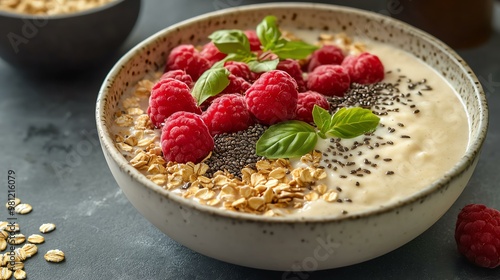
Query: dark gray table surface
[{"x": 48, "y": 137}]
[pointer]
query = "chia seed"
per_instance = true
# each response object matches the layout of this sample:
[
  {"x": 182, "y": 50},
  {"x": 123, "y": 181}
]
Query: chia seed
[{"x": 234, "y": 151}]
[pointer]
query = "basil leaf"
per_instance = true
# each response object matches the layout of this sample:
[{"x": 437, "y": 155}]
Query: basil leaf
[
  {"x": 232, "y": 57},
  {"x": 263, "y": 66},
  {"x": 268, "y": 32},
  {"x": 294, "y": 49},
  {"x": 287, "y": 140},
  {"x": 231, "y": 41},
  {"x": 322, "y": 119},
  {"x": 352, "y": 122},
  {"x": 210, "y": 83}
]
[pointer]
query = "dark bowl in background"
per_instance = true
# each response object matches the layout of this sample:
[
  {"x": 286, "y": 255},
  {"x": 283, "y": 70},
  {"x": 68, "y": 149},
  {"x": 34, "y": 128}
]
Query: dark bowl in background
[{"x": 64, "y": 43}]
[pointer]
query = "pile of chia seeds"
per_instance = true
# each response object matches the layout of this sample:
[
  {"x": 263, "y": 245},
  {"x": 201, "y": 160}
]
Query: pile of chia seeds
[{"x": 234, "y": 151}]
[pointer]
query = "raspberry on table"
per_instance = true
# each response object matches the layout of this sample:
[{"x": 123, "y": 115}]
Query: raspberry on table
[
  {"x": 212, "y": 53},
  {"x": 227, "y": 113},
  {"x": 327, "y": 54},
  {"x": 272, "y": 98},
  {"x": 167, "y": 97},
  {"x": 185, "y": 138},
  {"x": 292, "y": 67},
  {"x": 253, "y": 39},
  {"x": 365, "y": 68},
  {"x": 477, "y": 234},
  {"x": 330, "y": 80},
  {"x": 305, "y": 105},
  {"x": 187, "y": 58},
  {"x": 179, "y": 75}
]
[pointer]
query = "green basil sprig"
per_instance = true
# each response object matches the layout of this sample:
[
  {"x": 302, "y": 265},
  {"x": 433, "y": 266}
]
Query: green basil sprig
[
  {"x": 211, "y": 82},
  {"x": 271, "y": 39},
  {"x": 292, "y": 139},
  {"x": 236, "y": 45}
]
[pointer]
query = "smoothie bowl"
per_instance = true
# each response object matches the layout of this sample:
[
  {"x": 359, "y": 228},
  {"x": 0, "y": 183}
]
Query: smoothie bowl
[{"x": 383, "y": 160}]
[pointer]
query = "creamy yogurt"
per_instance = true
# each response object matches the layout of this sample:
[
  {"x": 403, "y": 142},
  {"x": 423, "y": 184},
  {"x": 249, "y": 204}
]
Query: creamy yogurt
[{"x": 425, "y": 143}]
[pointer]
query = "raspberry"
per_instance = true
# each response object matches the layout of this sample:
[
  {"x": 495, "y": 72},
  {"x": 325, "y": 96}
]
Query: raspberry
[
  {"x": 167, "y": 97},
  {"x": 305, "y": 104},
  {"x": 185, "y": 138},
  {"x": 212, "y": 53},
  {"x": 327, "y": 54},
  {"x": 236, "y": 85},
  {"x": 273, "y": 97},
  {"x": 179, "y": 75},
  {"x": 292, "y": 67},
  {"x": 330, "y": 80},
  {"x": 477, "y": 234},
  {"x": 227, "y": 113},
  {"x": 187, "y": 58},
  {"x": 365, "y": 68},
  {"x": 254, "y": 40},
  {"x": 239, "y": 69}
]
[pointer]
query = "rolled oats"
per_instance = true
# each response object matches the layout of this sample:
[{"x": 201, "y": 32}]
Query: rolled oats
[
  {"x": 23, "y": 208},
  {"x": 3, "y": 244},
  {"x": 239, "y": 203},
  {"x": 124, "y": 147},
  {"x": 204, "y": 194},
  {"x": 16, "y": 202},
  {"x": 5, "y": 273},
  {"x": 330, "y": 196},
  {"x": 312, "y": 196},
  {"x": 19, "y": 274},
  {"x": 46, "y": 228},
  {"x": 15, "y": 266},
  {"x": 256, "y": 202},
  {"x": 55, "y": 255},
  {"x": 4, "y": 259},
  {"x": 30, "y": 249},
  {"x": 36, "y": 239},
  {"x": 135, "y": 111},
  {"x": 20, "y": 254},
  {"x": 3, "y": 234},
  {"x": 124, "y": 120},
  {"x": 16, "y": 239},
  {"x": 12, "y": 227}
]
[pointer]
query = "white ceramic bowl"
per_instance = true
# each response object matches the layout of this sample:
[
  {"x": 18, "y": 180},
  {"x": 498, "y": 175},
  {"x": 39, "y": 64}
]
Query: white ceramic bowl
[{"x": 287, "y": 244}]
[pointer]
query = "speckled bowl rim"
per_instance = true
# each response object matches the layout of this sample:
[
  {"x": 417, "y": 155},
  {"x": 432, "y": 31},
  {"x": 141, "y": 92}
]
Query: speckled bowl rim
[
  {"x": 97, "y": 9},
  {"x": 474, "y": 146}
]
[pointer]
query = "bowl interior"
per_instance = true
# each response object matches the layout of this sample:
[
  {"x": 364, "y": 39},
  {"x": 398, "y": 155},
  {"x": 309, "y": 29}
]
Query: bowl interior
[{"x": 149, "y": 56}]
